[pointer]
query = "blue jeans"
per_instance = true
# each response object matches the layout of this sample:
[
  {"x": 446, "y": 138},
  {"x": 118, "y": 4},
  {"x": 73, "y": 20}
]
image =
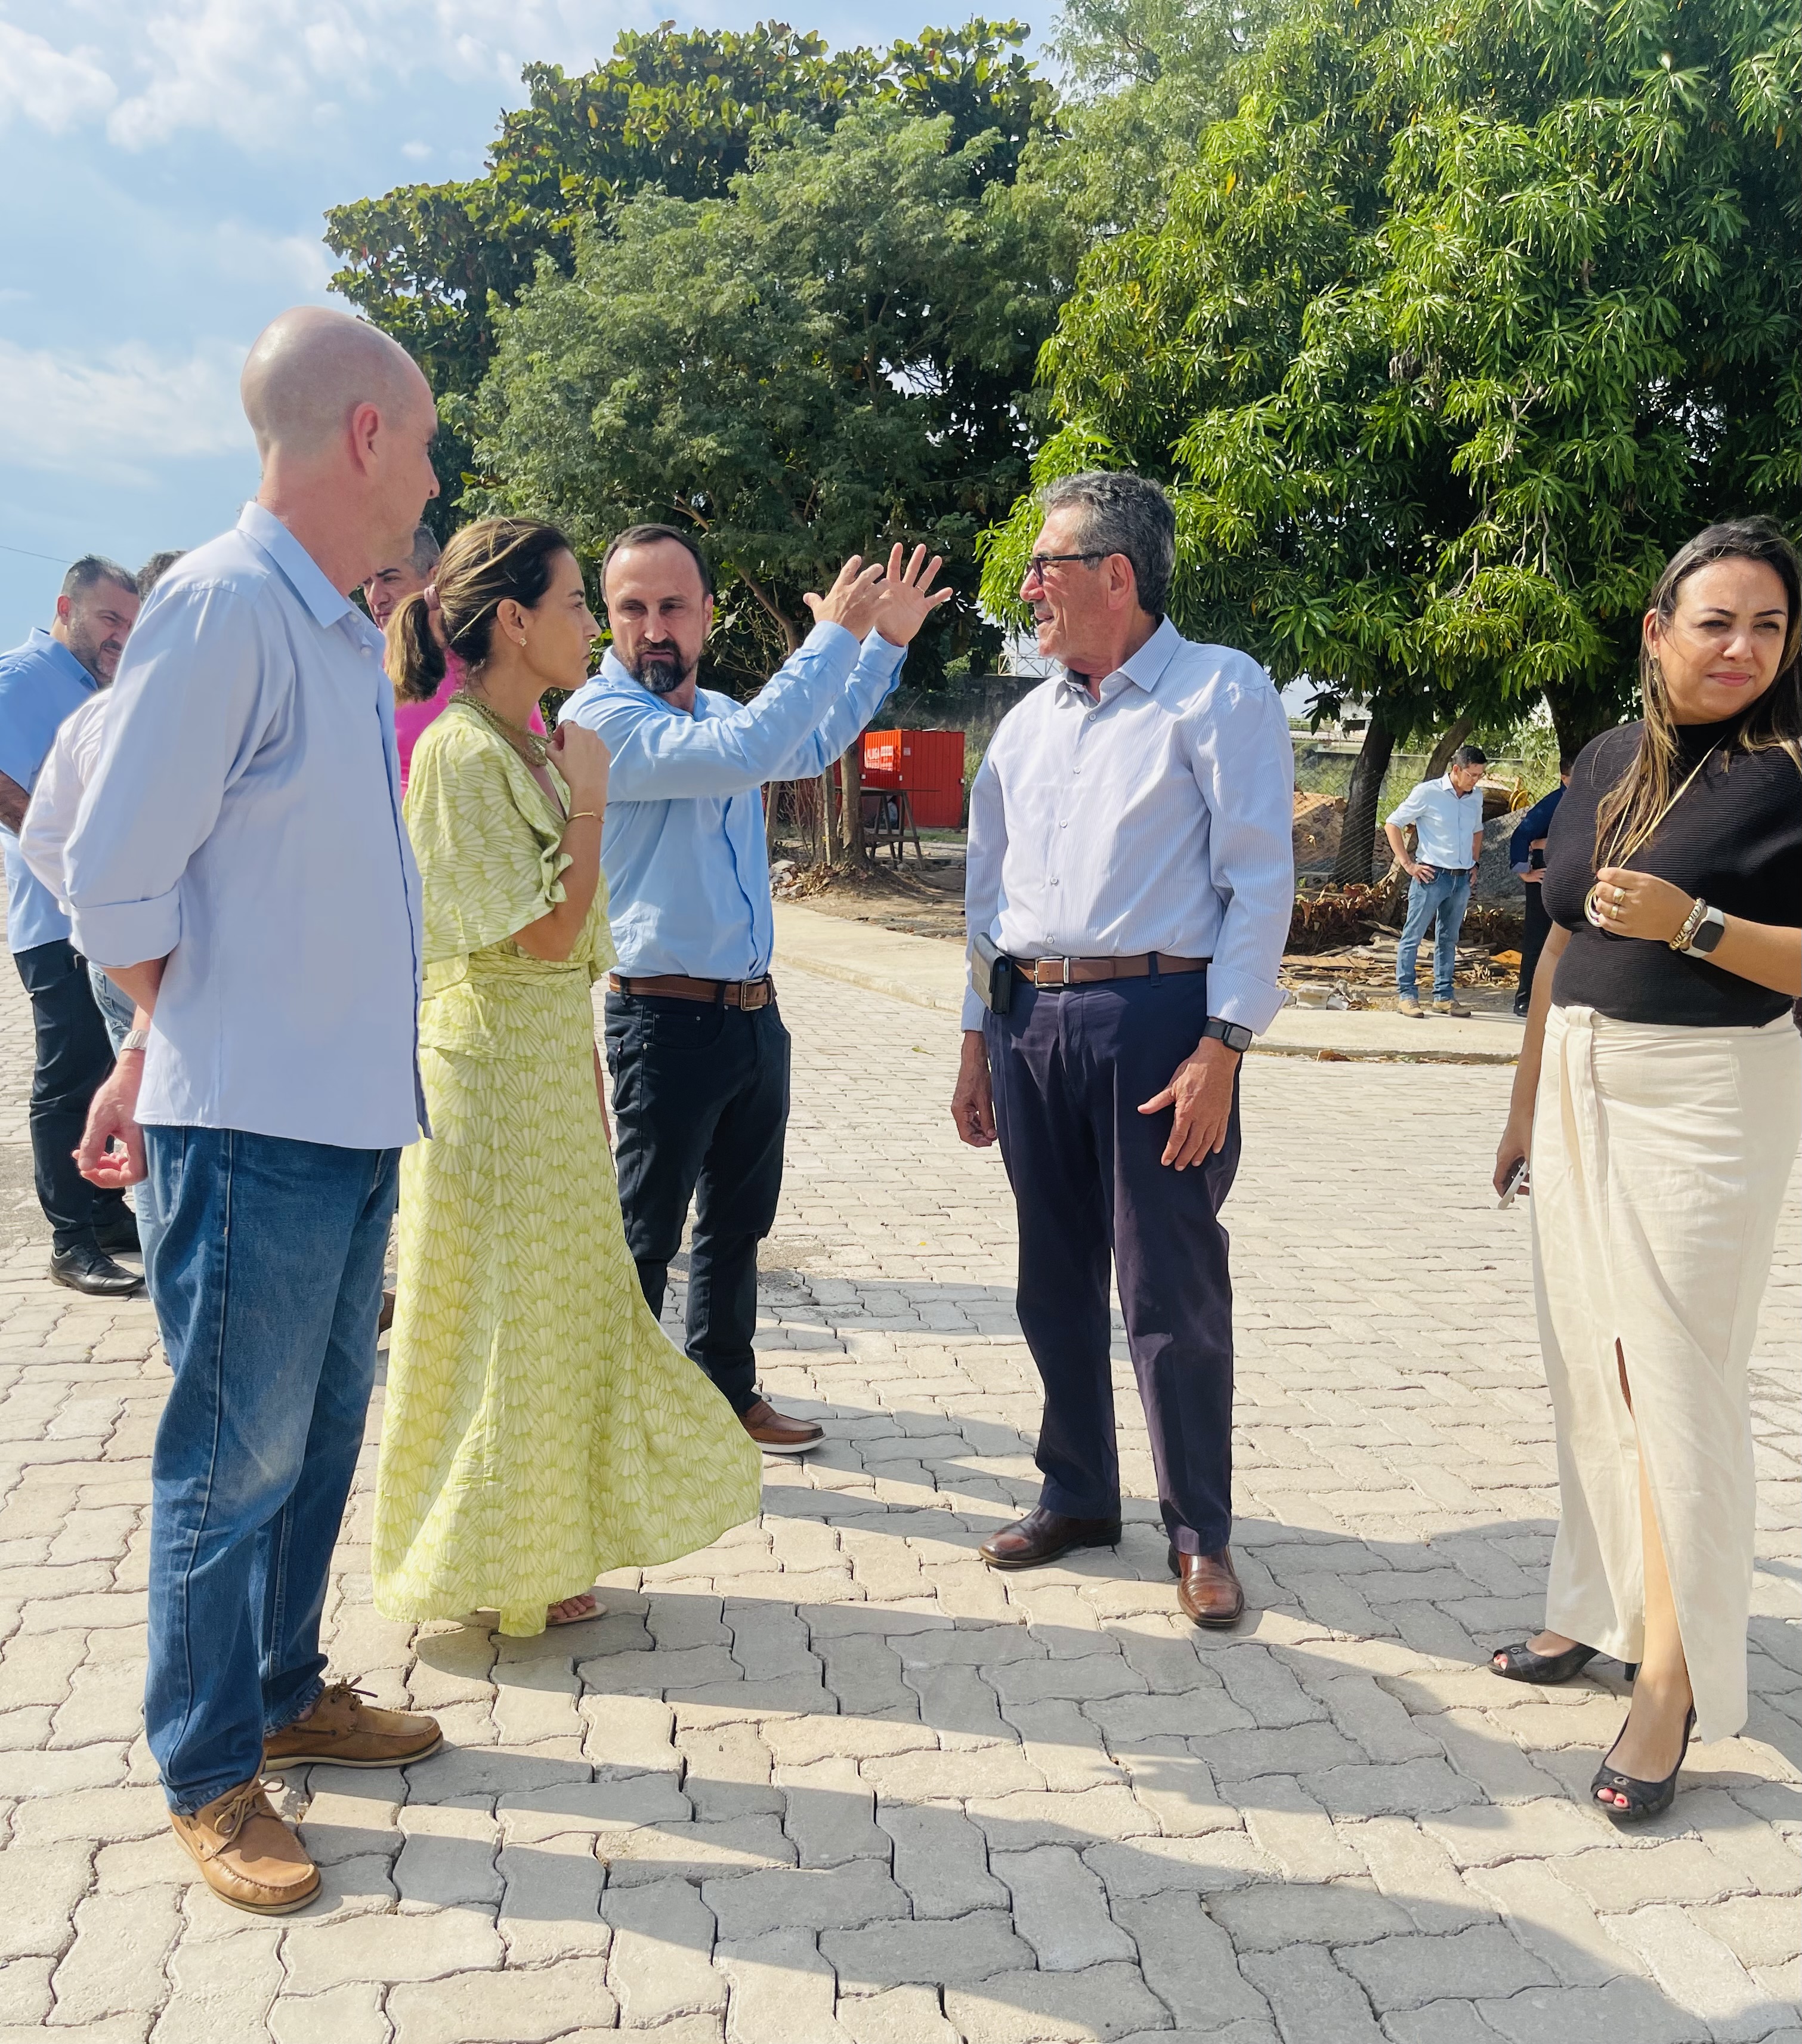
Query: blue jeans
[
  {"x": 1441, "y": 901},
  {"x": 116, "y": 1011},
  {"x": 267, "y": 1275}
]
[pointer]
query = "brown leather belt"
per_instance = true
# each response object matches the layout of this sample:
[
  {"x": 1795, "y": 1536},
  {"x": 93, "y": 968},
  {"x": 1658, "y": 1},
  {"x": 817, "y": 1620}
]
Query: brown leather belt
[
  {"x": 1085, "y": 972},
  {"x": 746, "y": 994}
]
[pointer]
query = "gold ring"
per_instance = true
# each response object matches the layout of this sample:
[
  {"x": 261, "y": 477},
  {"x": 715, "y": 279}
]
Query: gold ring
[{"x": 1620, "y": 894}]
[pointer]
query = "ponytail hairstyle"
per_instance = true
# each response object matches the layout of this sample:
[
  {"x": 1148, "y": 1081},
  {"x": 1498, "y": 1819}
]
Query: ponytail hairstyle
[
  {"x": 485, "y": 564},
  {"x": 1630, "y": 810}
]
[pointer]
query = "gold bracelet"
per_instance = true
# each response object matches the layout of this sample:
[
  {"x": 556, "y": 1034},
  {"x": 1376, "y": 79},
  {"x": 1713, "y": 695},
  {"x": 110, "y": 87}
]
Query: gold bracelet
[
  {"x": 1690, "y": 924},
  {"x": 576, "y": 816}
]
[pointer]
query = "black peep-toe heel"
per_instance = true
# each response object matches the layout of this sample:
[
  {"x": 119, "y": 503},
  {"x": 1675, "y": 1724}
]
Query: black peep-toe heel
[
  {"x": 1521, "y": 1664},
  {"x": 1644, "y": 1799}
]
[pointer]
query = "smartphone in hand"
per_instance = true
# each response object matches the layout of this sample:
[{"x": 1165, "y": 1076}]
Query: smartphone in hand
[{"x": 1515, "y": 1182}]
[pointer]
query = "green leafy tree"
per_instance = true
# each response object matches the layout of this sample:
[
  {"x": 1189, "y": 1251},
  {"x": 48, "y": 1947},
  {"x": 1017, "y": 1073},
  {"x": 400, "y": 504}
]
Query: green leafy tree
[
  {"x": 1142, "y": 78},
  {"x": 683, "y": 112},
  {"x": 1466, "y": 318},
  {"x": 837, "y": 355}
]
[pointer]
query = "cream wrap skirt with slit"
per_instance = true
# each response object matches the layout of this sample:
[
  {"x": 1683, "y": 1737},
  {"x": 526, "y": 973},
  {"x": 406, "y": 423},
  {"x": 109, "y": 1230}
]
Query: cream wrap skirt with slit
[{"x": 1661, "y": 1156}]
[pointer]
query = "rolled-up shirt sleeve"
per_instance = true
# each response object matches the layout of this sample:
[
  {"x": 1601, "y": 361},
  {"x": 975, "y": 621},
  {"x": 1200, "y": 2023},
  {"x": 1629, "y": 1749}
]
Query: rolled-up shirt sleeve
[
  {"x": 985, "y": 852},
  {"x": 182, "y": 725},
  {"x": 1245, "y": 766},
  {"x": 658, "y": 756}
]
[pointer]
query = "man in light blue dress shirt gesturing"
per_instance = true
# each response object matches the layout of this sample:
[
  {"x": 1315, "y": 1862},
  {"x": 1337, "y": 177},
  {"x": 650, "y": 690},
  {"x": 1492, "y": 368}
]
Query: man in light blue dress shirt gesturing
[
  {"x": 1130, "y": 883},
  {"x": 695, "y": 1044},
  {"x": 1447, "y": 816},
  {"x": 239, "y": 868}
]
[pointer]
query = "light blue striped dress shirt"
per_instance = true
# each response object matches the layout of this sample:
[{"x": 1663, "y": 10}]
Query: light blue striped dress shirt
[
  {"x": 688, "y": 876},
  {"x": 244, "y": 820},
  {"x": 1160, "y": 818}
]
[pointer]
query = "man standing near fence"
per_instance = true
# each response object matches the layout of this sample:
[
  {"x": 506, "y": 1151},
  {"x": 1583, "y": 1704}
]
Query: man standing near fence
[
  {"x": 696, "y": 1049},
  {"x": 1447, "y": 816},
  {"x": 1131, "y": 875}
]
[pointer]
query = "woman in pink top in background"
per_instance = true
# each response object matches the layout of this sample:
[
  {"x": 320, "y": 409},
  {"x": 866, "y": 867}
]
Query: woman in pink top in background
[{"x": 384, "y": 592}]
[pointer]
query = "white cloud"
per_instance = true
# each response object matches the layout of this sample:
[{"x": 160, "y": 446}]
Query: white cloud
[
  {"x": 106, "y": 416},
  {"x": 54, "y": 88},
  {"x": 256, "y": 71}
]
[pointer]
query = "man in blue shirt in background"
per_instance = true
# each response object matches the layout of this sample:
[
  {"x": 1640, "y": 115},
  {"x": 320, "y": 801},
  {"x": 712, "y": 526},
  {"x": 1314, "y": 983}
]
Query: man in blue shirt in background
[
  {"x": 1447, "y": 816},
  {"x": 41, "y": 683},
  {"x": 1527, "y": 854},
  {"x": 697, "y": 1052}
]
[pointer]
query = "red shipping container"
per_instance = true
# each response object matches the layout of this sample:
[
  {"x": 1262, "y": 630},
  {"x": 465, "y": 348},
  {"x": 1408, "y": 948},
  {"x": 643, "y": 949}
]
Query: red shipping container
[{"x": 929, "y": 764}]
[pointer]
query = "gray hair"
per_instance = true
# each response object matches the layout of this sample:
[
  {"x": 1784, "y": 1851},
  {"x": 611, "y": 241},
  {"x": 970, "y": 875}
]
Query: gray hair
[
  {"x": 1469, "y": 755},
  {"x": 1123, "y": 513},
  {"x": 426, "y": 552},
  {"x": 93, "y": 568}
]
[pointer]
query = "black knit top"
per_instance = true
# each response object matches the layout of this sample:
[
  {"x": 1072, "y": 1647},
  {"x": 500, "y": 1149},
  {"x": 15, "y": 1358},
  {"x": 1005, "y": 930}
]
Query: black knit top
[{"x": 1735, "y": 837}]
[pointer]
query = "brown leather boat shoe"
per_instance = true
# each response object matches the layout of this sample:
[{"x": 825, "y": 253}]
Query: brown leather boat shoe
[
  {"x": 1042, "y": 1535},
  {"x": 1208, "y": 1588},
  {"x": 246, "y": 1854},
  {"x": 342, "y": 1730},
  {"x": 776, "y": 1433}
]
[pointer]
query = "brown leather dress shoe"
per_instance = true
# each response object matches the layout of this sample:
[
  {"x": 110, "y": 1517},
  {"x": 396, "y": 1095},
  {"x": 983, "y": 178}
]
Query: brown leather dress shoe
[
  {"x": 776, "y": 1433},
  {"x": 342, "y": 1730},
  {"x": 1042, "y": 1535},
  {"x": 246, "y": 1854},
  {"x": 1208, "y": 1588}
]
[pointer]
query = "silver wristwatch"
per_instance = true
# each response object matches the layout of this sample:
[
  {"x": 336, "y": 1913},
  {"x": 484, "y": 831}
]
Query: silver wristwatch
[{"x": 136, "y": 1040}]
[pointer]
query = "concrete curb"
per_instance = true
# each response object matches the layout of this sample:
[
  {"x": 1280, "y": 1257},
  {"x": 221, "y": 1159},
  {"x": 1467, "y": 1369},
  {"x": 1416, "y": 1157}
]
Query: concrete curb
[{"x": 928, "y": 973}]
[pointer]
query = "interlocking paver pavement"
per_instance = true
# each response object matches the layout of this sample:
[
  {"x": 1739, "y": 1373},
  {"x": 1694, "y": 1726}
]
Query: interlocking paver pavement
[{"x": 832, "y": 1782}]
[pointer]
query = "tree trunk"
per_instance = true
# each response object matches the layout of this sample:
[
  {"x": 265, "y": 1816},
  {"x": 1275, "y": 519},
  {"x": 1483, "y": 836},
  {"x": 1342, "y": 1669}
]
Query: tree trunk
[
  {"x": 1576, "y": 718},
  {"x": 851, "y": 778},
  {"x": 823, "y": 851},
  {"x": 1449, "y": 743},
  {"x": 1353, "y": 865}
]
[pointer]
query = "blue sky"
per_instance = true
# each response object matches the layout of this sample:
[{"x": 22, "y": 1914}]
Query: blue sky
[{"x": 168, "y": 162}]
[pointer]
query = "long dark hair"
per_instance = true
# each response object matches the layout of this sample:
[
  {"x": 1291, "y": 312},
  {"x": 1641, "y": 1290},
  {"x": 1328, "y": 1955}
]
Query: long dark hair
[
  {"x": 1630, "y": 810},
  {"x": 484, "y": 565}
]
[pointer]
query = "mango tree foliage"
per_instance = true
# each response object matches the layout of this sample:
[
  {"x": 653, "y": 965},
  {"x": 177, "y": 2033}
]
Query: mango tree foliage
[
  {"x": 682, "y": 111},
  {"x": 1468, "y": 316},
  {"x": 836, "y": 355}
]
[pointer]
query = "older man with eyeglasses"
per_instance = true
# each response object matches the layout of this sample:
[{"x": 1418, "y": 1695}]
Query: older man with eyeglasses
[{"x": 1131, "y": 877}]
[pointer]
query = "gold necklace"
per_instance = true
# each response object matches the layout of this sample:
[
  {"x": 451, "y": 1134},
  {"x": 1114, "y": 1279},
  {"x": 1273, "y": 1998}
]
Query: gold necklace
[{"x": 534, "y": 750}]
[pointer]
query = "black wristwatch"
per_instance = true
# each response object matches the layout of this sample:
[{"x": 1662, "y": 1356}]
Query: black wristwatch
[{"x": 1234, "y": 1034}]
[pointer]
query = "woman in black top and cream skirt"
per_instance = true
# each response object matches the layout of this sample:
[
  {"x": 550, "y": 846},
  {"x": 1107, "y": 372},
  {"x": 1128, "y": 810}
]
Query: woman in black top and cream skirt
[{"x": 1660, "y": 1094}]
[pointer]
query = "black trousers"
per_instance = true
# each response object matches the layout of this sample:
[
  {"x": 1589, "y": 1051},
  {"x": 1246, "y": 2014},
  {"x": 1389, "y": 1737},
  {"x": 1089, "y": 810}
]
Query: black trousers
[
  {"x": 1539, "y": 928},
  {"x": 74, "y": 1057},
  {"x": 1069, "y": 1070},
  {"x": 701, "y": 1104}
]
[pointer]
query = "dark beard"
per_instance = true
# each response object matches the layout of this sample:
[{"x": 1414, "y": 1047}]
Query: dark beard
[{"x": 661, "y": 673}]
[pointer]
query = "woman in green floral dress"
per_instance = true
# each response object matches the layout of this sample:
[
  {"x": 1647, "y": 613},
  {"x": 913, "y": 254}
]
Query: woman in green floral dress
[{"x": 540, "y": 1429}]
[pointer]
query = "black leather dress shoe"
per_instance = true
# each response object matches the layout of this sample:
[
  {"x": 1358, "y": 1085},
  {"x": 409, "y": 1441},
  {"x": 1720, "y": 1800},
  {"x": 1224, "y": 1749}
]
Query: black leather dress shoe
[
  {"x": 1042, "y": 1535},
  {"x": 1208, "y": 1587},
  {"x": 118, "y": 1233},
  {"x": 87, "y": 1268}
]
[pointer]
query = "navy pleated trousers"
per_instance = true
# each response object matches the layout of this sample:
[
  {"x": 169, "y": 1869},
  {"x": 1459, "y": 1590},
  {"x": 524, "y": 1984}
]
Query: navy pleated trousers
[{"x": 1070, "y": 1068}]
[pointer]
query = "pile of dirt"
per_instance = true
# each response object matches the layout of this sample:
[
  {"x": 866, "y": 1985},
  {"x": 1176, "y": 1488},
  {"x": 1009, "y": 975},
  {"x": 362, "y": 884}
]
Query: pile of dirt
[{"x": 1319, "y": 820}]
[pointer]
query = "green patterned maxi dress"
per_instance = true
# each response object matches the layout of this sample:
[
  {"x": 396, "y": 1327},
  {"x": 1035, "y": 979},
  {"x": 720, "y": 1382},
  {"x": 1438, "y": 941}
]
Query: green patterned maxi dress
[{"x": 539, "y": 1429}]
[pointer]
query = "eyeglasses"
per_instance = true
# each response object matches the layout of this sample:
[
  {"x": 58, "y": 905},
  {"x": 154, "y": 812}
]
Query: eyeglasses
[{"x": 1036, "y": 568}]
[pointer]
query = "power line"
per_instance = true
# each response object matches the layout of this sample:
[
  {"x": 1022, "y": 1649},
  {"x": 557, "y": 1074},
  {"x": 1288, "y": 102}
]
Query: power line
[{"x": 57, "y": 559}]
